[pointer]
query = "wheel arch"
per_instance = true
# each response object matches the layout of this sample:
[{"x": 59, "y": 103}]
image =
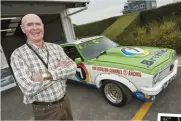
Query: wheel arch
[{"x": 100, "y": 79}]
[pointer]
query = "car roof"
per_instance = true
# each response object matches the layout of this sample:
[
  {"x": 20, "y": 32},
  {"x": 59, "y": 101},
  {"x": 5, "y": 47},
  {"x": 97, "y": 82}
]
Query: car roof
[{"x": 75, "y": 42}]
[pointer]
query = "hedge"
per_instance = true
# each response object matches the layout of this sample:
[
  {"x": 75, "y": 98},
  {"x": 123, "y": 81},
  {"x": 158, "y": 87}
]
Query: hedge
[
  {"x": 129, "y": 34},
  {"x": 94, "y": 28},
  {"x": 165, "y": 33},
  {"x": 121, "y": 25},
  {"x": 127, "y": 31},
  {"x": 159, "y": 13},
  {"x": 99, "y": 27}
]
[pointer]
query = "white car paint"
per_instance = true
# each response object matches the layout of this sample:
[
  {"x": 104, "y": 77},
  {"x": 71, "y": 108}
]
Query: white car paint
[{"x": 160, "y": 85}]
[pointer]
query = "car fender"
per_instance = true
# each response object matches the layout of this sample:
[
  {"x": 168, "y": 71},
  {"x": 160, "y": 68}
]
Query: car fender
[{"x": 118, "y": 78}]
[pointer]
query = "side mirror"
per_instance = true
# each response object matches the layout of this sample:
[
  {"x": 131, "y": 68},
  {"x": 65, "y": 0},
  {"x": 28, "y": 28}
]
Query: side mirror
[{"x": 78, "y": 60}]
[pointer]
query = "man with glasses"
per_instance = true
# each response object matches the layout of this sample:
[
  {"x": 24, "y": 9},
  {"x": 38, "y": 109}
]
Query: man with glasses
[{"x": 41, "y": 70}]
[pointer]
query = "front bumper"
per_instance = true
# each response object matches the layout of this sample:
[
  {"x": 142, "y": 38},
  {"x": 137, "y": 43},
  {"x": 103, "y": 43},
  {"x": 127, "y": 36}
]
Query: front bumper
[{"x": 161, "y": 84}]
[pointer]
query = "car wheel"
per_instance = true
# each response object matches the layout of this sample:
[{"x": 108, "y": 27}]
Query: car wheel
[{"x": 116, "y": 93}]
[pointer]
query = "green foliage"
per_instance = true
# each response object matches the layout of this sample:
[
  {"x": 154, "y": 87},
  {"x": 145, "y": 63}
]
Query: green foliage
[
  {"x": 159, "y": 27},
  {"x": 129, "y": 31},
  {"x": 121, "y": 25},
  {"x": 93, "y": 29},
  {"x": 159, "y": 13},
  {"x": 165, "y": 33}
]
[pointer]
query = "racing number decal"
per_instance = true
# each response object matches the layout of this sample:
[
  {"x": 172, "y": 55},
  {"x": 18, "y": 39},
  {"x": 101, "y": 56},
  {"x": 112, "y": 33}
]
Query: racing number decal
[
  {"x": 79, "y": 71},
  {"x": 82, "y": 73}
]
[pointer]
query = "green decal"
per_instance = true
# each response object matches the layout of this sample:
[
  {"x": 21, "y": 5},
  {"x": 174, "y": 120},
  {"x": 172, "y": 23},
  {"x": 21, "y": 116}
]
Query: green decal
[
  {"x": 88, "y": 43},
  {"x": 95, "y": 41}
]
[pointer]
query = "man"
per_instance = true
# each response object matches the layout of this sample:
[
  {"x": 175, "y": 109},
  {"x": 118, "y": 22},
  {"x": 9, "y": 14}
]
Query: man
[{"x": 41, "y": 70}]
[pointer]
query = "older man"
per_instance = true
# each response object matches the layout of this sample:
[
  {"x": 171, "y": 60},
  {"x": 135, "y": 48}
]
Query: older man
[{"x": 41, "y": 70}]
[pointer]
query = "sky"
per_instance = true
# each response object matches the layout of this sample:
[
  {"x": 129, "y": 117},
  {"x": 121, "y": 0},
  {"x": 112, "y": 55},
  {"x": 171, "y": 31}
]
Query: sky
[{"x": 101, "y": 9}]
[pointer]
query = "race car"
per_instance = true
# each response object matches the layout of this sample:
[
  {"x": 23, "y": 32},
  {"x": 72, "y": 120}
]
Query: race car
[{"x": 121, "y": 72}]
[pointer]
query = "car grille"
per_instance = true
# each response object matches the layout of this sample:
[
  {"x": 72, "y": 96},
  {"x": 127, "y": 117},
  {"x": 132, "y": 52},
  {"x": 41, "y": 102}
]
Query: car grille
[{"x": 165, "y": 72}]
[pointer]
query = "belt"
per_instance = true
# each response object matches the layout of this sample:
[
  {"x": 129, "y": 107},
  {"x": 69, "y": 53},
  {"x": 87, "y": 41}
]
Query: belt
[{"x": 48, "y": 103}]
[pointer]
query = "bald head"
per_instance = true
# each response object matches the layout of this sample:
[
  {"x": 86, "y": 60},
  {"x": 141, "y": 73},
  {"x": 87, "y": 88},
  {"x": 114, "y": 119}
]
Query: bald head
[
  {"x": 29, "y": 16},
  {"x": 32, "y": 27}
]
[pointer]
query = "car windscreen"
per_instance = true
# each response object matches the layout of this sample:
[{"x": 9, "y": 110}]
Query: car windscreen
[{"x": 92, "y": 48}]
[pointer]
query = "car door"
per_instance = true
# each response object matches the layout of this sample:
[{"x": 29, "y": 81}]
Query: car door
[{"x": 82, "y": 71}]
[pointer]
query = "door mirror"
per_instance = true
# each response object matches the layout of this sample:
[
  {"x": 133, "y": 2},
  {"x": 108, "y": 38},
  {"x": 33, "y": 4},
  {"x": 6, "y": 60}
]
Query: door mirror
[{"x": 78, "y": 60}]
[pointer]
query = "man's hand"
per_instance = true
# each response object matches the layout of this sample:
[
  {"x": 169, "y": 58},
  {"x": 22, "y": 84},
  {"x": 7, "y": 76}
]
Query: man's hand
[
  {"x": 37, "y": 77},
  {"x": 64, "y": 63}
]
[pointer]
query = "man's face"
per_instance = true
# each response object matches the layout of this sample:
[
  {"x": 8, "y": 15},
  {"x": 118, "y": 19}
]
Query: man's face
[{"x": 33, "y": 27}]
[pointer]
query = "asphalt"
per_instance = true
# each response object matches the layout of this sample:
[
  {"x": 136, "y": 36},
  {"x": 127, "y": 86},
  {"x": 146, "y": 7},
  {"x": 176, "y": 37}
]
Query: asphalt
[
  {"x": 168, "y": 101},
  {"x": 89, "y": 104}
]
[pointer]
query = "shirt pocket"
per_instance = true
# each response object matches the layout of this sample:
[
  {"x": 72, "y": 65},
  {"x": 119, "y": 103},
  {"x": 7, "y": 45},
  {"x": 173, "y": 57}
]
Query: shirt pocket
[
  {"x": 37, "y": 67},
  {"x": 54, "y": 59}
]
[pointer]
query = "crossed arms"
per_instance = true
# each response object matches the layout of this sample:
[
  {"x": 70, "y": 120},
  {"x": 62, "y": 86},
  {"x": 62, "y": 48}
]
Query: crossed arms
[{"x": 32, "y": 83}]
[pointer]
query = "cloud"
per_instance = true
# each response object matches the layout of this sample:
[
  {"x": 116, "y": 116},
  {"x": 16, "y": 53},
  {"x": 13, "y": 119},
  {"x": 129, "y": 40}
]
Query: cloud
[
  {"x": 101, "y": 9},
  {"x": 89, "y": 16},
  {"x": 97, "y": 11}
]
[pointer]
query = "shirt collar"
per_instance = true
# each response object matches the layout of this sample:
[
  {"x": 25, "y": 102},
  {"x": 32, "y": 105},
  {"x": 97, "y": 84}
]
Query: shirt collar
[{"x": 35, "y": 46}]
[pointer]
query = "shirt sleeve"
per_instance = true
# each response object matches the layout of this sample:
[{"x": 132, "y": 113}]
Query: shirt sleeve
[
  {"x": 23, "y": 77},
  {"x": 64, "y": 73}
]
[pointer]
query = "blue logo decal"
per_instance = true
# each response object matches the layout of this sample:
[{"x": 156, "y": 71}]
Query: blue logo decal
[{"x": 134, "y": 51}]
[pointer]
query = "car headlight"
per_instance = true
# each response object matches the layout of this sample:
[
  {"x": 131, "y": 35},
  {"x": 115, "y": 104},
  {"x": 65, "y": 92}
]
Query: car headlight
[{"x": 156, "y": 78}]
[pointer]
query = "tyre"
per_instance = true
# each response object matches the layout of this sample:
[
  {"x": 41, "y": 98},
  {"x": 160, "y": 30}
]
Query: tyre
[{"x": 116, "y": 93}]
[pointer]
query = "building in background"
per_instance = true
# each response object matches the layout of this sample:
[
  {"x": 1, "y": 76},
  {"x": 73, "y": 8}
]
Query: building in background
[{"x": 138, "y": 5}]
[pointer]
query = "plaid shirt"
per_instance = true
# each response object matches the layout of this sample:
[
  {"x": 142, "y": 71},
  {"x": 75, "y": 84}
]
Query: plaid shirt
[{"x": 24, "y": 63}]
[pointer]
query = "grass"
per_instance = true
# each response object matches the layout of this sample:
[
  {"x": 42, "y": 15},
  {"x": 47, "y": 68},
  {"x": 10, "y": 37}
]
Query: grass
[{"x": 120, "y": 25}]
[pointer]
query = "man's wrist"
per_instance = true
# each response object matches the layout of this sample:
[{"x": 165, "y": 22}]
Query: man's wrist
[{"x": 47, "y": 76}]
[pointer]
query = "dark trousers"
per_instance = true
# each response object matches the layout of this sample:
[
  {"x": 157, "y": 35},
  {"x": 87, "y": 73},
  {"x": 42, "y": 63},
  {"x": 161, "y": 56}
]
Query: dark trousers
[{"x": 59, "y": 111}]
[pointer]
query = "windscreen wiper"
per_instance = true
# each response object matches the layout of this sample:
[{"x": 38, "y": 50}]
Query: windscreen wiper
[{"x": 102, "y": 53}]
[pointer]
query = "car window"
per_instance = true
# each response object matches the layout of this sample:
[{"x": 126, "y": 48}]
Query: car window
[
  {"x": 92, "y": 48},
  {"x": 72, "y": 52}
]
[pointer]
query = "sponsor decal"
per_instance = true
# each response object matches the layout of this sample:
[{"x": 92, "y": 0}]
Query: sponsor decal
[
  {"x": 157, "y": 55},
  {"x": 88, "y": 43},
  {"x": 134, "y": 51},
  {"x": 82, "y": 73},
  {"x": 117, "y": 71}
]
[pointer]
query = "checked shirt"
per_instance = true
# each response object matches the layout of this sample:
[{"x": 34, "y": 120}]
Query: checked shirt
[{"x": 24, "y": 63}]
